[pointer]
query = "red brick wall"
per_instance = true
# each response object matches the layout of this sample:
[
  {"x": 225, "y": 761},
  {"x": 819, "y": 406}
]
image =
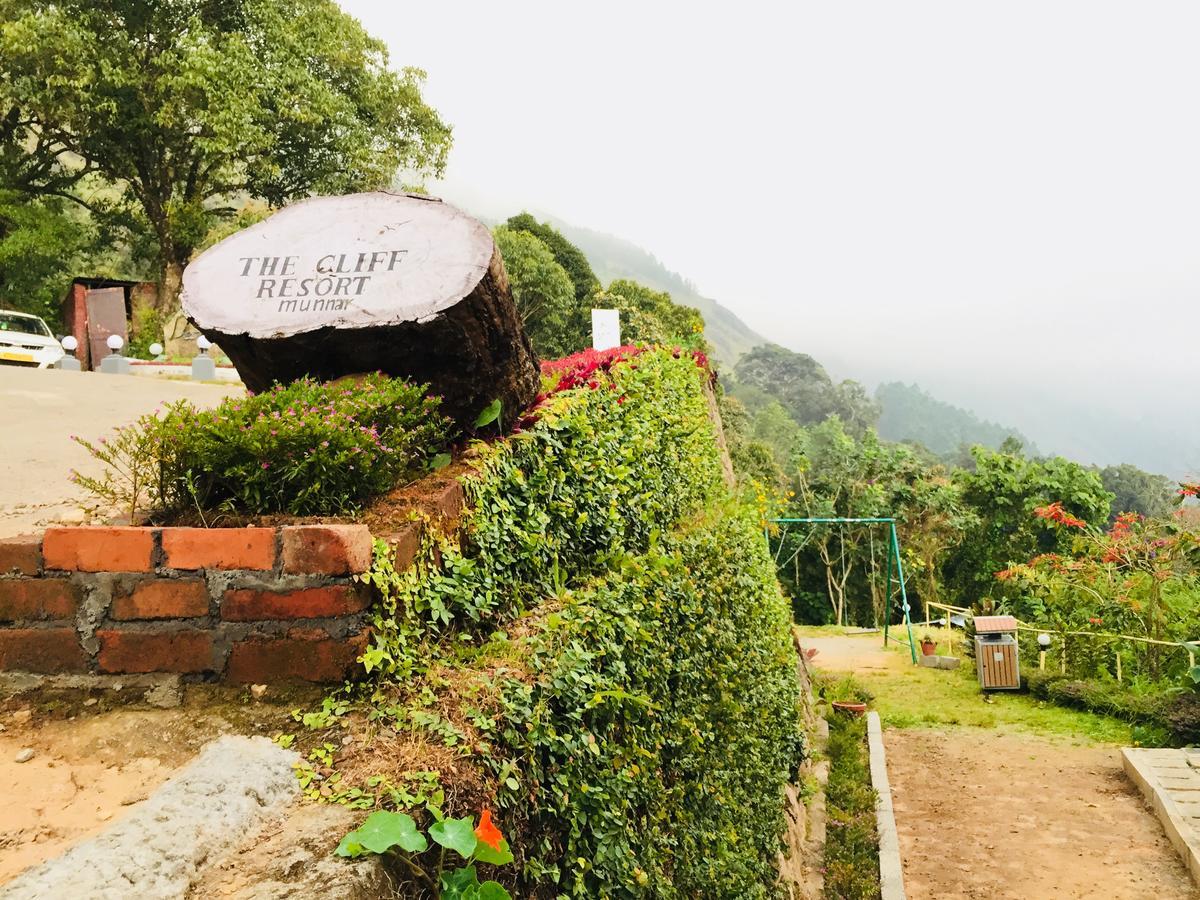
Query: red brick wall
[{"x": 242, "y": 604}]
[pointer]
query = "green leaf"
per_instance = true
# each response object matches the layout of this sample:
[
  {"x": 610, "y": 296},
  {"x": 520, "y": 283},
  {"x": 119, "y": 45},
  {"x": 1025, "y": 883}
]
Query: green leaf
[
  {"x": 501, "y": 857},
  {"x": 381, "y": 832},
  {"x": 440, "y": 461},
  {"x": 460, "y": 884},
  {"x": 456, "y": 834},
  {"x": 493, "y": 890},
  {"x": 1194, "y": 671},
  {"x": 489, "y": 415}
]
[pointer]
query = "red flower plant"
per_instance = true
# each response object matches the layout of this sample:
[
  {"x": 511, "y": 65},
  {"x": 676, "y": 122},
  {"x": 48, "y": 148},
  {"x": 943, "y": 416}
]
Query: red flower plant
[
  {"x": 1191, "y": 489},
  {"x": 1055, "y": 513},
  {"x": 487, "y": 832}
]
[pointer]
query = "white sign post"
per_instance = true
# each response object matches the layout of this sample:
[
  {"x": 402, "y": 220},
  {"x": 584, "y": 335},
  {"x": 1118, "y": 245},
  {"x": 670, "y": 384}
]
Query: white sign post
[{"x": 606, "y": 329}]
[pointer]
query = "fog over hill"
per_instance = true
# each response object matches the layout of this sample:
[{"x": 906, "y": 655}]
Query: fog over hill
[{"x": 1103, "y": 423}]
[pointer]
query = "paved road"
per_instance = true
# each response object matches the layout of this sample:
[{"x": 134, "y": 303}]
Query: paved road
[{"x": 41, "y": 409}]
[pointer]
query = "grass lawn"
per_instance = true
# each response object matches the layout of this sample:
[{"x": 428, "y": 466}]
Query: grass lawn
[{"x": 909, "y": 696}]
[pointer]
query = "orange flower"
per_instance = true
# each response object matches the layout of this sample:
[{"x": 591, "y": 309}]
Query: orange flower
[{"x": 487, "y": 832}]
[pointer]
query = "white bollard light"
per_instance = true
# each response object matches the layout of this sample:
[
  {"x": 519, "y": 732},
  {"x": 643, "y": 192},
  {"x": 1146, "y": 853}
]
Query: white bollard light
[{"x": 69, "y": 363}]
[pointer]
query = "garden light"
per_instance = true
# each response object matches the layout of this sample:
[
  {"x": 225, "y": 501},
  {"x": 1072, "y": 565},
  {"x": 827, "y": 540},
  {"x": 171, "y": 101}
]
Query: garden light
[
  {"x": 203, "y": 343},
  {"x": 156, "y": 349},
  {"x": 115, "y": 342},
  {"x": 69, "y": 343},
  {"x": 1043, "y": 640}
]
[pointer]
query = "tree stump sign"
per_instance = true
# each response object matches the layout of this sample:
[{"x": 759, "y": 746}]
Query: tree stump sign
[{"x": 396, "y": 283}]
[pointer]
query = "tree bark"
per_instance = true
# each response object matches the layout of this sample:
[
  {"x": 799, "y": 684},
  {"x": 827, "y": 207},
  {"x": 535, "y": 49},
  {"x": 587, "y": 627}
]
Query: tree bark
[
  {"x": 419, "y": 291},
  {"x": 170, "y": 281}
]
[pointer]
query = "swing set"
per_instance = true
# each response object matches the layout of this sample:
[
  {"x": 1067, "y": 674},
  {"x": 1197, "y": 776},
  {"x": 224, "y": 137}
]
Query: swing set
[{"x": 893, "y": 553}]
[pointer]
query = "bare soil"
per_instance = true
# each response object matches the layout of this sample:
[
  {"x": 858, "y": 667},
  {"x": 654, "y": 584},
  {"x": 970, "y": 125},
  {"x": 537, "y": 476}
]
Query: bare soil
[
  {"x": 93, "y": 763},
  {"x": 985, "y": 813}
]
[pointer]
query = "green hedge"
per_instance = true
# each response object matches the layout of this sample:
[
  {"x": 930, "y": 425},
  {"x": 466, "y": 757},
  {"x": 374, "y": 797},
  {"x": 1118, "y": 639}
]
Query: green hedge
[
  {"x": 1171, "y": 715},
  {"x": 644, "y": 749}
]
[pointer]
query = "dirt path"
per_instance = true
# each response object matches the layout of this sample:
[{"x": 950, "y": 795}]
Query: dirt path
[
  {"x": 996, "y": 813},
  {"x": 42, "y": 409},
  {"x": 991, "y": 815}
]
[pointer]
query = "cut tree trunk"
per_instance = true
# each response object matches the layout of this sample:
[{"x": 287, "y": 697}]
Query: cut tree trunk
[{"x": 395, "y": 283}]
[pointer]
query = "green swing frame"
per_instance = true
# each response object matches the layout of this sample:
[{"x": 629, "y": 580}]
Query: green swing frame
[{"x": 893, "y": 550}]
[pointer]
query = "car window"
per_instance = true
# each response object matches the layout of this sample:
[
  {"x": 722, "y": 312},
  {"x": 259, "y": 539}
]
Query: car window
[{"x": 24, "y": 324}]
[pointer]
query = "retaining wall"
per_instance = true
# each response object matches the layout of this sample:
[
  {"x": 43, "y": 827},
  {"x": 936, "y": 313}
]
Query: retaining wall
[{"x": 253, "y": 605}]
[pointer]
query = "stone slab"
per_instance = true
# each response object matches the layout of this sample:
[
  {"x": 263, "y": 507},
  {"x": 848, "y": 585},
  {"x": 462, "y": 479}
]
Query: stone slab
[
  {"x": 160, "y": 848},
  {"x": 1150, "y": 770},
  {"x": 891, "y": 870}
]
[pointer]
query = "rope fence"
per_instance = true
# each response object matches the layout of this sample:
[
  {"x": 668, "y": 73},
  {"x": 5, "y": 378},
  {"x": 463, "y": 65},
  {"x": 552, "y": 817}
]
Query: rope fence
[{"x": 1188, "y": 646}]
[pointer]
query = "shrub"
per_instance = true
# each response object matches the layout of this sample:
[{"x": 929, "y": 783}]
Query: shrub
[
  {"x": 644, "y": 749},
  {"x": 306, "y": 448},
  {"x": 852, "y": 841}
]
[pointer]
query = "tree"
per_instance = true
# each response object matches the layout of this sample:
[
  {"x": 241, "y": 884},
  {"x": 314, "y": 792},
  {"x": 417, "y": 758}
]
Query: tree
[
  {"x": 805, "y": 389},
  {"x": 651, "y": 317},
  {"x": 570, "y": 257},
  {"x": 1134, "y": 490},
  {"x": 1003, "y": 491},
  {"x": 543, "y": 292},
  {"x": 188, "y": 105}
]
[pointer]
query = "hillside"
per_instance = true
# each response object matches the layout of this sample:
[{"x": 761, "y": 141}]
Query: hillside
[
  {"x": 910, "y": 414},
  {"x": 613, "y": 258}
]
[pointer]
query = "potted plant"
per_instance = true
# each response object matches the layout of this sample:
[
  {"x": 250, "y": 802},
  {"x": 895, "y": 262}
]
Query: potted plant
[{"x": 928, "y": 645}]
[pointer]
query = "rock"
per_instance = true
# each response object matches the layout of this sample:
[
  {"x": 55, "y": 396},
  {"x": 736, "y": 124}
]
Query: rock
[
  {"x": 90, "y": 701},
  {"x": 72, "y": 517},
  {"x": 21, "y": 716},
  {"x": 257, "y": 691},
  {"x": 24, "y": 756},
  {"x": 167, "y": 694}
]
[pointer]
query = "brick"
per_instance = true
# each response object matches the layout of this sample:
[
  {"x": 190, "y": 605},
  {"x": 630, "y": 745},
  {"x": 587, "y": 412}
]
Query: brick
[
  {"x": 21, "y": 555},
  {"x": 37, "y": 598},
  {"x": 262, "y": 660},
  {"x": 406, "y": 544},
  {"x": 219, "y": 548},
  {"x": 155, "y": 651},
  {"x": 163, "y": 598},
  {"x": 99, "y": 549},
  {"x": 326, "y": 549},
  {"x": 46, "y": 651},
  {"x": 254, "y": 604},
  {"x": 445, "y": 499}
]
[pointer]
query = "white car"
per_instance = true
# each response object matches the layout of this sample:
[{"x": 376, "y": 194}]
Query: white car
[{"x": 25, "y": 340}]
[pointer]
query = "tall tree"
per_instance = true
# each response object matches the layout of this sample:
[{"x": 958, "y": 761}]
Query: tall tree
[
  {"x": 188, "y": 106},
  {"x": 543, "y": 292},
  {"x": 1003, "y": 491},
  {"x": 567, "y": 254},
  {"x": 1135, "y": 490}
]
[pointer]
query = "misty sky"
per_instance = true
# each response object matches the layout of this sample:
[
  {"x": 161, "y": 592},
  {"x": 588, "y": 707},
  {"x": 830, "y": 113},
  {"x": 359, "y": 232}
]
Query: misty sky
[{"x": 1000, "y": 201}]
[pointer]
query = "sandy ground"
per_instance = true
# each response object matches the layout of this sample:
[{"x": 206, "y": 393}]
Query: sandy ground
[
  {"x": 41, "y": 409},
  {"x": 982, "y": 813},
  {"x": 93, "y": 762}
]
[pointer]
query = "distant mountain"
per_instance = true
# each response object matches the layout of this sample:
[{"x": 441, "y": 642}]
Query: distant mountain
[
  {"x": 910, "y": 414},
  {"x": 614, "y": 258}
]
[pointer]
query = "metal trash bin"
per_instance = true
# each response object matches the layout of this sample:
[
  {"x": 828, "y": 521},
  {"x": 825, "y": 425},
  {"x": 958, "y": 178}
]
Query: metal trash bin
[{"x": 997, "y": 659}]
